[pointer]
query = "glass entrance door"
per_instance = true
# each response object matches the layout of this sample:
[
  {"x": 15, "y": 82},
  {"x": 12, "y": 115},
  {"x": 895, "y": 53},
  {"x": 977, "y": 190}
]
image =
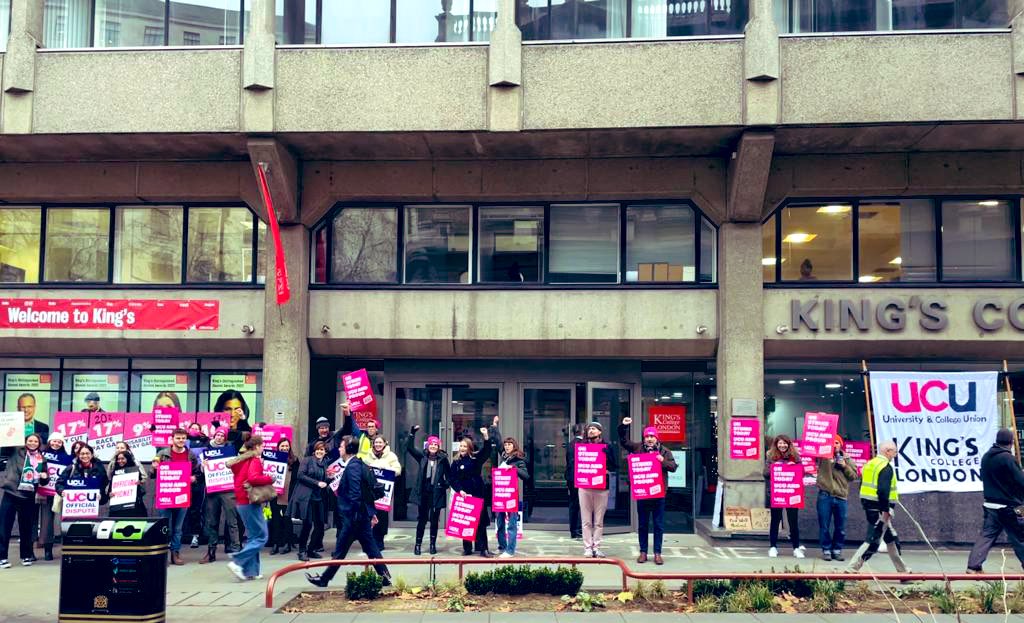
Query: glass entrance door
[
  {"x": 549, "y": 413},
  {"x": 608, "y": 404}
]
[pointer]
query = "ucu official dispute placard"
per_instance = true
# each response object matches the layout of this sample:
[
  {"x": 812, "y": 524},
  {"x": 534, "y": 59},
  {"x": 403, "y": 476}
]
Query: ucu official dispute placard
[{"x": 942, "y": 424}]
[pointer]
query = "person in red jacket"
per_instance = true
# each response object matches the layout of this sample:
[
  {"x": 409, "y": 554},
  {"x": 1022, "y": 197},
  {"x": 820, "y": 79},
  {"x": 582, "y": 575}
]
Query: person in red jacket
[{"x": 247, "y": 468}]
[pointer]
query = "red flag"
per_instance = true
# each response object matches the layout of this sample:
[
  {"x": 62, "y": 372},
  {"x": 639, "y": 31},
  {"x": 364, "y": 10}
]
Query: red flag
[{"x": 284, "y": 292}]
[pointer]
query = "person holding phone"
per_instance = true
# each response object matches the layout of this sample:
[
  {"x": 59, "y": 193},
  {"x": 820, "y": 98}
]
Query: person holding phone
[{"x": 834, "y": 478}]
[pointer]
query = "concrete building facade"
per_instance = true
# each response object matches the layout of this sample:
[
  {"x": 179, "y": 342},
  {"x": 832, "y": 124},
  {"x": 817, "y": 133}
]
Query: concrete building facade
[{"x": 553, "y": 231}]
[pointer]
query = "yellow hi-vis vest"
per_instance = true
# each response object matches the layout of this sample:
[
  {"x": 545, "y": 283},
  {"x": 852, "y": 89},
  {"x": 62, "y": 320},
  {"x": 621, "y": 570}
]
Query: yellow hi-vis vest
[{"x": 869, "y": 480}]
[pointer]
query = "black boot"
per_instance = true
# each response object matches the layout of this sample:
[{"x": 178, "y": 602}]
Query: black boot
[
  {"x": 275, "y": 551},
  {"x": 417, "y": 550},
  {"x": 287, "y": 549},
  {"x": 433, "y": 546},
  {"x": 48, "y": 552}
]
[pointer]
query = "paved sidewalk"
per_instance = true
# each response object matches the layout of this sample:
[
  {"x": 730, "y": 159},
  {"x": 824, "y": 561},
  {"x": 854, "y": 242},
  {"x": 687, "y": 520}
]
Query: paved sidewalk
[{"x": 209, "y": 593}]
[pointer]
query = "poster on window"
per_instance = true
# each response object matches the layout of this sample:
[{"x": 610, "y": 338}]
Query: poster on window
[
  {"x": 678, "y": 477},
  {"x": 30, "y": 394},
  {"x": 246, "y": 383},
  {"x": 165, "y": 389},
  {"x": 787, "y": 485},
  {"x": 941, "y": 422},
  {"x": 106, "y": 429},
  {"x": 386, "y": 479},
  {"x": 138, "y": 436},
  {"x": 819, "y": 432},
  {"x": 670, "y": 420},
  {"x": 74, "y": 425},
  {"x": 591, "y": 466},
  {"x": 98, "y": 392}
]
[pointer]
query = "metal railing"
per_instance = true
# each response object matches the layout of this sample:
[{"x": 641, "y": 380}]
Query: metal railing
[{"x": 627, "y": 573}]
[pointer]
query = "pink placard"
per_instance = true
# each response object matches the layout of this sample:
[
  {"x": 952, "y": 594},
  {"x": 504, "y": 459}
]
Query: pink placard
[
  {"x": 138, "y": 436},
  {"x": 74, "y": 425},
  {"x": 591, "y": 466},
  {"x": 203, "y": 418},
  {"x": 646, "y": 478},
  {"x": 504, "y": 490},
  {"x": 745, "y": 439},
  {"x": 787, "y": 485},
  {"x": 165, "y": 420},
  {"x": 174, "y": 484},
  {"x": 464, "y": 517},
  {"x": 105, "y": 430},
  {"x": 809, "y": 463},
  {"x": 273, "y": 434},
  {"x": 819, "y": 431},
  {"x": 859, "y": 452},
  {"x": 359, "y": 393}
]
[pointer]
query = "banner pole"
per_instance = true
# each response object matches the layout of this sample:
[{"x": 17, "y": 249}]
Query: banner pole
[
  {"x": 1013, "y": 416},
  {"x": 867, "y": 401}
]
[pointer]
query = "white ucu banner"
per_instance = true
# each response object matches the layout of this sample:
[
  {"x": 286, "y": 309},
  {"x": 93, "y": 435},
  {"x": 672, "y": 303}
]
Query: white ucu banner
[{"x": 942, "y": 424}]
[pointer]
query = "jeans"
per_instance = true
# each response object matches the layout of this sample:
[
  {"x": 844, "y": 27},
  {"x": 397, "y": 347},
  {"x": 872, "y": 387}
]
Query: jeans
[
  {"x": 648, "y": 510},
  {"x": 593, "y": 504},
  {"x": 508, "y": 531},
  {"x": 256, "y": 529},
  {"x": 995, "y": 522},
  {"x": 175, "y": 520},
  {"x": 355, "y": 529},
  {"x": 831, "y": 511},
  {"x": 776, "y": 523},
  {"x": 25, "y": 509}
]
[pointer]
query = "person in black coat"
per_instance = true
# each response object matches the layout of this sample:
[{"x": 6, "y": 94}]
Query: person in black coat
[
  {"x": 466, "y": 478},
  {"x": 431, "y": 491},
  {"x": 1003, "y": 485},
  {"x": 307, "y": 500},
  {"x": 25, "y": 471},
  {"x": 575, "y": 521}
]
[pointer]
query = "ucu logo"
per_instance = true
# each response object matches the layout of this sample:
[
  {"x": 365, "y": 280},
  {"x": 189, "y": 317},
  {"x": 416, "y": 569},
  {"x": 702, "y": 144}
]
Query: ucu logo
[
  {"x": 81, "y": 496},
  {"x": 932, "y": 396}
]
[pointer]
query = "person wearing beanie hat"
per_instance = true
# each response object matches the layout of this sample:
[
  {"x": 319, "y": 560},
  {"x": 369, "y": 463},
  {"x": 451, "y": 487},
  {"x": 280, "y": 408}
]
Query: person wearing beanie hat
[
  {"x": 1003, "y": 486},
  {"x": 834, "y": 477},
  {"x": 366, "y": 438},
  {"x": 650, "y": 512},
  {"x": 594, "y": 502},
  {"x": 430, "y": 493},
  {"x": 331, "y": 440}
]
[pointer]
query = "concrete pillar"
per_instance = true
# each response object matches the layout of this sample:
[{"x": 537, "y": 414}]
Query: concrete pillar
[
  {"x": 258, "y": 69},
  {"x": 19, "y": 73},
  {"x": 505, "y": 72},
  {"x": 761, "y": 71},
  {"x": 285, "y": 345},
  {"x": 740, "y": 352}
]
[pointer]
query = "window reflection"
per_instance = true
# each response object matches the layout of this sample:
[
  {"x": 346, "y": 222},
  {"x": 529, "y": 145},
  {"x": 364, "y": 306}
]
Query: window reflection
[
  {"x": 220, "y": 245},
  {"x": 66, "y": 23},
  {"x": 295, "y": 21},
  {"x": 511, "y": 244},
  {"x": 708, "y": 251},
  {"x": 584, "y": 244},
  {"x": 122, "y": 23},
  {"x": 817, "y": 243},
  {"x": 588, "y": 19},
  {"x": 660, "y": 244},
  {"x": 421, "y": 21},
  {"x": 77, "y": 244},
  {"x": 356, "y": 21},
  {"x": 365, "y": 246},
  {"x": 437, "y": 244},
  {"x": 977, "y": 241},
  {"x": 148, "y": 245},
  {"x": 897, "y": 241},
  {"x": 19, "y": 245},
  {"x": 204, "y": 22},
  {"x": 5, "y": 22},
  {"x": 796, "y": 16}
]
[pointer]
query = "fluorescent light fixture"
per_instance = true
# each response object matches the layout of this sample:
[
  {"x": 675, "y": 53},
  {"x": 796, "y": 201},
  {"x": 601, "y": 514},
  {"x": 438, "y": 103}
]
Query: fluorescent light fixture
[
  {"x": 677, "y": 394},
  {"x": 799, "y": 237},
  {"x": 712, "y": 397},
  {"x": 767, "y": 261},
  {"x": 787, "y": 382},
  {"x": 666, "y": 397},
  {"x": 988, "y": 203},
  {"x": 834, "y": 209},
  {"x": 898, "y": 260},
  {"x": 869, "y": 278},
  {"x": 832, "y": 385}
]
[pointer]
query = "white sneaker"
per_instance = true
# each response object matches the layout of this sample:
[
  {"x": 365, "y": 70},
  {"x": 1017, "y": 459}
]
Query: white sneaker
[
  {"x": 599, "y": 554},
  {"x": 236, "y": 568},
  {"x": 798, "y": 552},
  {"x": 773, "y": 552},
  {"x": 587, "y": 553},
  {"x": 504, "y": 555},
  {"x": 5, "y": 564},
  {"x": 802, "y": 548}
]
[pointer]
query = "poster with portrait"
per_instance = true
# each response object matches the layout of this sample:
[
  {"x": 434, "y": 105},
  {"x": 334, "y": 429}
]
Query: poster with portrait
[
  {"x": 32, "y": 391},
  {"x": 246, "y": 383},
  {"x": 98, "y": 391},
  {"x": 164, "y": 389}
]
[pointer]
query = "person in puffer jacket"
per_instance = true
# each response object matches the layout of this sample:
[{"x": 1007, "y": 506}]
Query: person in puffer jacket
[{"x": 382, "y": 457}]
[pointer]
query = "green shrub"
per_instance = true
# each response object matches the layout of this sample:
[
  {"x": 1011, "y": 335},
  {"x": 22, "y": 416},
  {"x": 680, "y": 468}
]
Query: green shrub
[
  {"x": 567, "y": 581},
  {"x": 365, "y": 585},
  {"x": 948, "y": 602},
  {"x": 510, "y": 580},
  {"x": 584, "y": 602},
  {"x": 711, "y": 588},
  {"x": 826, "y": 595},
  {"x": 750, "y": 597},
  {"x": 707, "y": 603},
  {"x": 989, "y": 596},
  {"x": 803, "y": 589},
  {"x": 658, "y": 590},
  {"x": 479, "y": 583}
]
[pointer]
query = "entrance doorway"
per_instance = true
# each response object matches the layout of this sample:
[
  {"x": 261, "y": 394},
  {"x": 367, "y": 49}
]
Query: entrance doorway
[{"x": 549, "y": 413}]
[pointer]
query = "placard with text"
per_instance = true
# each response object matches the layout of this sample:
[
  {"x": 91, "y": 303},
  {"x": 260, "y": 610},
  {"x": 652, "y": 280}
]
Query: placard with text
[
  {"x": 386, "y": 479},
  {"x": 218, "y": 475},
  {"x": 81, "y": 498},
  {"x": 464, "y": 517},
  {"x": 744, "y": 438},
  {"x": 787, "y": 485},
  {"x": 165, "y": 420},
  {"x": 504, "y": 490},
  {"x": 56, "y": 463},
  {"x": 74, "y": 425},
  {"x": 105, "y": 430},
  {"x": 173, "y": 484},
  {"x": 138, "y": 436},
  {"x": 646, "y": 478},
  {"x": 275, "y": 465},
  {"x": 819, "y": 432},
  {"x": 590, "y": 468}
]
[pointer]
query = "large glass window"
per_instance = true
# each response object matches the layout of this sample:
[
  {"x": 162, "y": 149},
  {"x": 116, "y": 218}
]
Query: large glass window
[
  {"x": 420, "y": 21},
  {"x": 295, "y": 21},
  {"x": 611, "y": 19},
  {"x": 66, "y": 23},
  {"x": 148, "y": 244},
  {"x": 355, "y": 21},
  {"x": 660, "y": 244},
  {"x": 220, "y": 245},
  {"x": 584, "y": 244},
  {"x": 817, "y": 242},
  {"x": 511, "y": 245},
  {"x": 978, "y": 241},
  {"x": 798, "y": 16},
  {"x": 204, "y": 22},
  {"x": 708, "y": 251},
  {"x": 5, "y": 22},
  {"x": 77, "y": 244},
  {"x": 125, "y": 23},
  {"x": 365, "y": 246},
  {"x": 19, "y": 245},
  {"x": 897, "y": 241},
  {"x": 437, "y": 240}
]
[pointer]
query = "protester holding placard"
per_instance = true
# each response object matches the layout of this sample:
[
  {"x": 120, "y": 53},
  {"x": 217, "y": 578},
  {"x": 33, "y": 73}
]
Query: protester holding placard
[
  {"x": 177, "y": 453},
  {"x": 26, "y": 470},
  {"x": 511, "y": 457},
  {"x": 122, "y": 471},
  {"x": 650, "y": 511},
  {"x": 281, "y": 533},
  {"x": 85, "y": 467},
  {"x": 575, "y": 518},
  {"x": 307, "y": 500},
  {"x": 220, "y": 498},
  {"x": 594, "y": 500},
  {"x": 382, "y": 457},
  {"x": 783, "y": 451},
  {"x": 431, "y": 491},
  {"x": 466, "y": 478},
  {"x": 231, "y": 404},
  {"x": 834, "y": 477},
  {"x": 57, "y": 458}
]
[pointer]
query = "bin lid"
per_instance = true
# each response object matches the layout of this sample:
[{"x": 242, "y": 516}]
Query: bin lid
[{"x": 122, "y": 532}]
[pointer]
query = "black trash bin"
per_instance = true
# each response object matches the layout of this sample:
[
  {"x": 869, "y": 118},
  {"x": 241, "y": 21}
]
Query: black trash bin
[{"x": 114, "y": 570}]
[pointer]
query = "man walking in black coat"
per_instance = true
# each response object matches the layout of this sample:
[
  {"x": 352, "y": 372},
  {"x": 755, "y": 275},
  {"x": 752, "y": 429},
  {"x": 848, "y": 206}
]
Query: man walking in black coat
[
  {"x": 357, "y": 512},
  {"x": 1003, "y": 483}
]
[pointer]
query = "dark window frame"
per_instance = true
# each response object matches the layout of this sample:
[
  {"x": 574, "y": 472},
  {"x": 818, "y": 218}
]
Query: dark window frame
[
  {"x": 253, "y": 282},
  {"x": 546, "y": 28},
  {"x": 1015, "y": 203},
  {"x": 167, "y": 27},
  {"x": 544, "y": 283}
]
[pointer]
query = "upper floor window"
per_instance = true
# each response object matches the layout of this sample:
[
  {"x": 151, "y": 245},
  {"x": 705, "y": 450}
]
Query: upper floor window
[
  {"x": 894, "y": 241},
  {"x": 799, "y": 16},
  {"x": 594, "y": 243},
  {"x": 614, "y": 19},
  {"x": 344, "y": 22},
  {"x": 134, "y": 23},
  {"x": 139, "y": 245},
  {"x": 5, "y": 23}
]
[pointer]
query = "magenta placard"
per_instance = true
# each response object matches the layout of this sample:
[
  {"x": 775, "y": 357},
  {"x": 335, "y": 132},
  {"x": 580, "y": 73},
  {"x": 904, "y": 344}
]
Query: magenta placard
[
  {"x": 273, "y": 434},
  {"x": 819, "y": 431},
  {"x": 646, "y": 478},
  {"x": 138, "y": 436},
  {"x": 165, "y": 420},
  {"x": 809, "y": 462},
  {"x": 745, "y": 438},
  {"x": 358, "y": 391},
  {"x": 859, "y": 452},
  {"x": 464, "y": 517},
  {"x": 787, "y": 485},
  {"x": 590, "y": 469},
  {"x": 205, "y": 420},
  {"x": 74, "y": 425},
  {"x": 174, "y": 484},
  {"x": 504, "y": 490}
]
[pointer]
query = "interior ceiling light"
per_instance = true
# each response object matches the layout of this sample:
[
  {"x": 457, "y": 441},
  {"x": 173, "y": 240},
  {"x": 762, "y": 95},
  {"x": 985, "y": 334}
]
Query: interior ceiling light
[
  {"x": 988, "y": 203},
  {"x": 832, "y": 385},
  {"x": 787, "y": 382},
  {"x": 834, "y": 209},
  {"x": 767, "y": 261},
  {"x": 896, "y": 260},
  {"x": 799, "y": 237},
  {"x": 869, "y": 278}
]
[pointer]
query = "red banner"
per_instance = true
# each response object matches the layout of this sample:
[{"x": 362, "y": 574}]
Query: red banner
[
  {"x": 280, "y": 269},
  {"x": 118, "y": 314}
]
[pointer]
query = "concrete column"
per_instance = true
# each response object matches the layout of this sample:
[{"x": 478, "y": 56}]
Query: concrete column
[
  {"x": 505, "y": 72},
  {"x": 19, "y": 73},
  {"x": 740, "y": 352},
  {"x": 285, "y": 345},
  {"x": 258, "y": 69},
  {"x": 761, "y": 71}
]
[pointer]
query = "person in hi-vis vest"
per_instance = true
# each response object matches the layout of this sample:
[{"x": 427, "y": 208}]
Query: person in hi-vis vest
[{"x": 877, "y": 493}]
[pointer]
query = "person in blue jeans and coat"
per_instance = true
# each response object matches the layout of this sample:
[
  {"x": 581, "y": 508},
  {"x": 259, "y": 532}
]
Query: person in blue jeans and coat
[
  {"x": 510, "y": 455},
  {"x": 651, "y": 513},
  {"x": 834, "y": 478},
  {"x": 178, "y": 452}
]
